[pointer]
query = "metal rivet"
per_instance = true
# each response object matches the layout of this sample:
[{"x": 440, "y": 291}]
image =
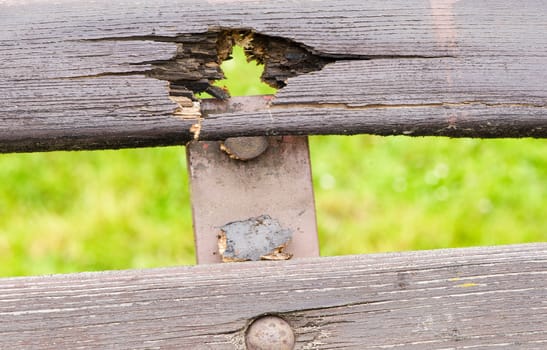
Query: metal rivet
[
  {"x": 245, "y": 148},
  {"x": 269, "y": 333}
]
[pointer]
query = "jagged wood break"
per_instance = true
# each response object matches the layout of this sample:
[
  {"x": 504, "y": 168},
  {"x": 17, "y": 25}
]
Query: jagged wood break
[{"x": 196, "y": 64}]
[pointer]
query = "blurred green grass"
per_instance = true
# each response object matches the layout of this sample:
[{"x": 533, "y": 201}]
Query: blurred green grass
[{"x": 83, "y": 211}]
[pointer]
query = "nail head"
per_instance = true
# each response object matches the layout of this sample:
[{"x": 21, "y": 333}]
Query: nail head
[
  {"x": 245, "y": 148},
  {"x": 269, "y": 333}
]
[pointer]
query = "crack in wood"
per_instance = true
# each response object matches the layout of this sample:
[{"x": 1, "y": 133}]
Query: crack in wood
[
  {"x": 196, "y": 63},
  {"x": 195, "y": 67},
  {"x": 331, "y": 307},
  {"x": 409, "y": 105}
]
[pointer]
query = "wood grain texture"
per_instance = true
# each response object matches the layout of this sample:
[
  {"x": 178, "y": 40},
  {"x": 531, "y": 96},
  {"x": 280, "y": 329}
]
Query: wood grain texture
[
  {"x": 456, "y": 298},
  {"x": 72, "y": 72}
]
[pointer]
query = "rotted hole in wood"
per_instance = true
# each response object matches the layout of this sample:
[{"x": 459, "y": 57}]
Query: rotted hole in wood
[{"x": 197, "y": 63}]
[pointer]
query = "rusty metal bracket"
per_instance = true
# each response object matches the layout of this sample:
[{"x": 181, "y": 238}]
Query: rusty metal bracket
[{"x": 273, "y": 190}]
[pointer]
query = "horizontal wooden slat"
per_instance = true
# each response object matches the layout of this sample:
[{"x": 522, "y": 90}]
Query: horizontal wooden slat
[
  {"x": 439, "y": 67},
  {"x": 456, "y": 298}
]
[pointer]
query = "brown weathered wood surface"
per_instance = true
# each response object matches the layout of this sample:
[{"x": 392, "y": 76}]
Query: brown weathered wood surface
[
  {"x": 446, "y": 299},
  {"x": 72, "y": 72}
]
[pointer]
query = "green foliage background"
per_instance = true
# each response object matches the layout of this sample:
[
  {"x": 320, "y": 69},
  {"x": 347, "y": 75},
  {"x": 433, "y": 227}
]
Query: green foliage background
[{"x": 82, "y": 211}]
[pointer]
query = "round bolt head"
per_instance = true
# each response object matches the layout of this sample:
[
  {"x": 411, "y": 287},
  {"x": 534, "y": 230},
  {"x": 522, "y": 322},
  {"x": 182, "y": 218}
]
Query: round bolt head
[
  {"x": 245, "y": 148},
  {"x": 269, "y": 333}
]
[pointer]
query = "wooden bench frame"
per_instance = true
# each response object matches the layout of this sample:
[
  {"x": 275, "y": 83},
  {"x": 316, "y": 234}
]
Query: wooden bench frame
[{"x": 99, "y": 75}]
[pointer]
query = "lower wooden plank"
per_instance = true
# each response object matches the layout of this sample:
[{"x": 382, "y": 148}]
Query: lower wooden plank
[{"x": 456, "y": 298}]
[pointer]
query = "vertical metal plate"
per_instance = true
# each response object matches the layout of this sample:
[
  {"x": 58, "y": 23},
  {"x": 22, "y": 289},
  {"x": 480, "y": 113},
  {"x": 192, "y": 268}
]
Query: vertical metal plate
[{"x": 278, "y": 184}]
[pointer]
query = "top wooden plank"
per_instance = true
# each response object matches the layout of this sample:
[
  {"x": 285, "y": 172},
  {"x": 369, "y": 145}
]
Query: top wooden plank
[{"x": 73, "y": 74}]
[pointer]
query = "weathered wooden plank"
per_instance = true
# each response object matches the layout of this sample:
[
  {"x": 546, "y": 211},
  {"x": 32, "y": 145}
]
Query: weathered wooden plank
[
  {"x": 79, "y": 74},
  {"x": 456, "y": 298}
]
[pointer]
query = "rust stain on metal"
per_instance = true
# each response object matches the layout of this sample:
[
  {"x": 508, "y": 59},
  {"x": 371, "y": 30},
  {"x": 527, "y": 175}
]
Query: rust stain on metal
[{"x": 259, "y": 238}]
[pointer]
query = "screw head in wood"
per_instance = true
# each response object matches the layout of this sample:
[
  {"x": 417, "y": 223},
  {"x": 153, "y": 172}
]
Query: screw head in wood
[
  {"x": 269, "y": 333},
  {"x": 245, "y": 148}
]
